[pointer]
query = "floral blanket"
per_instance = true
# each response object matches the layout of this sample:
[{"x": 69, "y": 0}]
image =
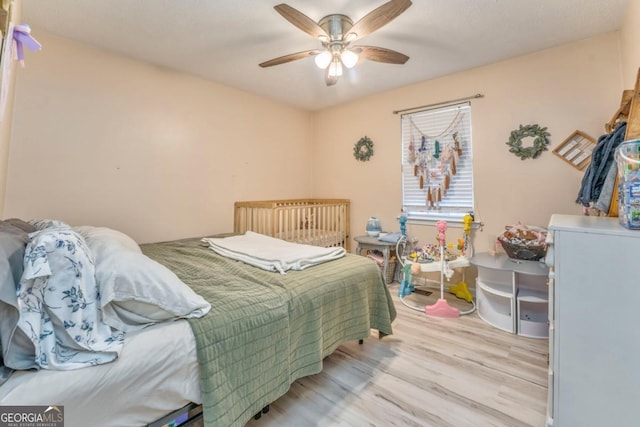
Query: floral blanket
[{"x": 60, "y": 313}]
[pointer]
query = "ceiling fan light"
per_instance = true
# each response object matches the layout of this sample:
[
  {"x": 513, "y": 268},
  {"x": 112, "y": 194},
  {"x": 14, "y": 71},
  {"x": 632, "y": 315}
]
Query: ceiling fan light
[
  {"x": 335, "y": 69},
  {"x": 350, "y": 37},
  {"x": 323, "y": 59},
  {"x": 349, "y": 58}
]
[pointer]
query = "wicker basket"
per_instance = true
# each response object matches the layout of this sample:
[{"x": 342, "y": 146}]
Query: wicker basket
[
  {"x": 391, "y": 270},
  {"x": 524, "y": 252}
]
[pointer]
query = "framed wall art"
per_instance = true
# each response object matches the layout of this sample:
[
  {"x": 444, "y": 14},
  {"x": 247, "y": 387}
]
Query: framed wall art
[{"x": 576, "y": 149}]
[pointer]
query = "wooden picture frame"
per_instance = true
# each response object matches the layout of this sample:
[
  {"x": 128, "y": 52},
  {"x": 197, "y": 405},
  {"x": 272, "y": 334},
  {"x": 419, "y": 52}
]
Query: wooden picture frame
[{"x": 576, "y": 149}]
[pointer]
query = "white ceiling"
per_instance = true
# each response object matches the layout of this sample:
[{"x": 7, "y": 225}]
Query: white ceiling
[{"x": 225, "y": 40}]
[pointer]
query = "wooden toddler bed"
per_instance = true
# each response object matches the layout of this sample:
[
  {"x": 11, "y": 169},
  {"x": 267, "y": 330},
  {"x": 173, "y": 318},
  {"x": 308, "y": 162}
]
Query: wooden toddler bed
[
  {"x": 318, "y": 222},
  {"x": 264, "y": 330}
]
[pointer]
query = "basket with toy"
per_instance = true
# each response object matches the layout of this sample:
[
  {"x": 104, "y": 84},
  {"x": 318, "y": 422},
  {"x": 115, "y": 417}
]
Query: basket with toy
[
  {"x": 378, "y": 258},
  {"x": 524, "y": 242}
]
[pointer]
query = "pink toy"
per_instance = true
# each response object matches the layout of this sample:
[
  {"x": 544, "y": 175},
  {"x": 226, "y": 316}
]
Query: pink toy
[
  {"x": 442, "y": 227},
  {"x": 441, "y": 308}
]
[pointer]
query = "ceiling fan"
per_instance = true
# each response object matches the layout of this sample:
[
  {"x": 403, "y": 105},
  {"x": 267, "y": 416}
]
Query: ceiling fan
[{"x": 336, "y": 32}]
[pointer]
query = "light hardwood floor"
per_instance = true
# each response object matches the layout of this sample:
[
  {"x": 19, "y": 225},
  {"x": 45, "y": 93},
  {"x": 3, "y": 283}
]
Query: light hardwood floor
[{"x": 430, "y": 372}]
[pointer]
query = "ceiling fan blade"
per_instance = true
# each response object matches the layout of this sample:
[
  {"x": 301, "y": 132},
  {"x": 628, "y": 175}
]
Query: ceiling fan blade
[
  {"x": 301, "y": 21},
  {"x": 380, "y": 54},
  {"x": 377, "y": 18},
  {"x": 291, "y": 57}
]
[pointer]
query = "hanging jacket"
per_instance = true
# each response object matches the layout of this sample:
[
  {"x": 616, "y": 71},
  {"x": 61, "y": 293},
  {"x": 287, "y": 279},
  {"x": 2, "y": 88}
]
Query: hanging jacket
[{"x": 601, "y": 160}]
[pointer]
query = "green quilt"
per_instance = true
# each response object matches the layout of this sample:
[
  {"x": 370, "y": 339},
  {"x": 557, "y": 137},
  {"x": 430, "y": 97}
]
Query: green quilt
[{"x": 266, "y": 329}]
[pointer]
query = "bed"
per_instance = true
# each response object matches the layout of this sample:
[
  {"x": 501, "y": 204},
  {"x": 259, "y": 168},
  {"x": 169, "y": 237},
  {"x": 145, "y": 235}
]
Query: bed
[
  {"x": 319, "y": 222},
  {"x": 263, "y": 331}
]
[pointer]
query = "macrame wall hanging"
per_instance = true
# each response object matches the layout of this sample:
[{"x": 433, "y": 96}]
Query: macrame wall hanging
[{"x": 435, "y": 158}]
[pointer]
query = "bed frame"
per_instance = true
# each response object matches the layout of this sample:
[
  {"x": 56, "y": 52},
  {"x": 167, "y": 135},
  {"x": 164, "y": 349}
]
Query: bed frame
[{"x": 318, "y": 222}]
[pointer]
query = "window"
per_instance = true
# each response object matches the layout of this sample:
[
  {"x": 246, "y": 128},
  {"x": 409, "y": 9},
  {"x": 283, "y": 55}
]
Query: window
[{"x": 437, "y": 163}]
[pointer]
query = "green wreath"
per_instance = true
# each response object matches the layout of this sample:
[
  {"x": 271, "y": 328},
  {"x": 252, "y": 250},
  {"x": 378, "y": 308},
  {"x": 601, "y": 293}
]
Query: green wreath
[
  {"x": 540, "y": 142},
  {"x": 363, "y": 150}
]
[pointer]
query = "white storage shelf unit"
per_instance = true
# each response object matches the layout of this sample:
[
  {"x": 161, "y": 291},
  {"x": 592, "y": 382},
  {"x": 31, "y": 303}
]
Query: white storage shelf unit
[
  {"x": 496, "y": 303},
  {"x": 532, "y": 307},
  {"x": 512, "y": 294}
]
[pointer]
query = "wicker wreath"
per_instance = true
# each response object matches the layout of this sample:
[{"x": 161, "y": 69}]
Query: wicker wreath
[
  {"x": 540, "y": 142},
  {"x": 363, "y": 150}
]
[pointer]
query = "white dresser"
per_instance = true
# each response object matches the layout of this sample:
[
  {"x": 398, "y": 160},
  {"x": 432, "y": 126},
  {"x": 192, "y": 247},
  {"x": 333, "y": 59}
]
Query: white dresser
[{"x": 594, "y": 323}]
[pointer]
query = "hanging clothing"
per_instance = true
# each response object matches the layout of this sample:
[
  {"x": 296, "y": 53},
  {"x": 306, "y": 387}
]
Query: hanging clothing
[
  {"x": 601, "y": 160},
  {"x": 606, "y": 194}
]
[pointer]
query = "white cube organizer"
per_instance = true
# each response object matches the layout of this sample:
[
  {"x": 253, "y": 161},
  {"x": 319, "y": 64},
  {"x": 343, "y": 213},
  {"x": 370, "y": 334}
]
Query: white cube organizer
[
  {"x": 512, "y": 294},
  {"x": 495, "y": 307},
  {"x": 532, "y": 313}
]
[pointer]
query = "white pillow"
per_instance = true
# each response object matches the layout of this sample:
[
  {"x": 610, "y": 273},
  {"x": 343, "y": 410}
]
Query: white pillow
[
  {"x": 136, "y": 291},
  {"x": 101, "y": 239},
  {"x": 18, "y": 351},
  {"x": 41, "y": 224}
]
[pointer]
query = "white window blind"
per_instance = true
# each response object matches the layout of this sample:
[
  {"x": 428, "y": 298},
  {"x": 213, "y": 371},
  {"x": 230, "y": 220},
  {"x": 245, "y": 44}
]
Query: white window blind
[{"x": 437, "y": 163}]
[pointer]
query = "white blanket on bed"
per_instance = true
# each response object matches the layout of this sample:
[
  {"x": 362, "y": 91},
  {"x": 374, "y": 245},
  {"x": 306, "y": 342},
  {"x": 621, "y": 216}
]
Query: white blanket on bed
[{"x": 272, "y": 254}]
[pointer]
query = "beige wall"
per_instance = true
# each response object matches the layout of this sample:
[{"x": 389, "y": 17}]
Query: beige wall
[
  {"x": 104, "y": 140},
  {"x": 575, "y": 86},
  {"x": 630, "y": 44},
  {"x": 6, "y": 119}
]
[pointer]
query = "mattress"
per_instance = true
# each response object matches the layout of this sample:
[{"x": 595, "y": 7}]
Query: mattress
[{"x": 158, "y": 363}]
